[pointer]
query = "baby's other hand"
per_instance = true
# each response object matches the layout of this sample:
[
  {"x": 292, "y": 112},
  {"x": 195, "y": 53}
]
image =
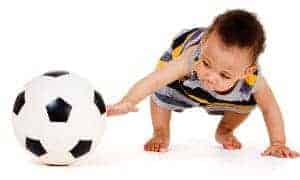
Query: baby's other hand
[
  {"x": 122, "y": 107},
  {"x": 280, "y": 151}
]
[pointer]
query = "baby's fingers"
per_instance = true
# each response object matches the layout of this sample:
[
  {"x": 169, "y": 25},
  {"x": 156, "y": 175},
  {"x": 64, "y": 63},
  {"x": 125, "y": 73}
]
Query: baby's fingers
[
  {"x": 286, "y": 153},
  {"x": 113, "y": 110},
  {"x": 289, "y": 153},
  {"x": 294, "y": 154},
  {"x": 109, "y": 110},
  {"x": 276, "y": 153},
  {"x": 266, "y": 152}
]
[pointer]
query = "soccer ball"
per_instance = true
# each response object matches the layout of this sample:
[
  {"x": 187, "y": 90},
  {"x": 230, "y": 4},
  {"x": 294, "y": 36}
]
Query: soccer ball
[{"x": 59, "y": 118}]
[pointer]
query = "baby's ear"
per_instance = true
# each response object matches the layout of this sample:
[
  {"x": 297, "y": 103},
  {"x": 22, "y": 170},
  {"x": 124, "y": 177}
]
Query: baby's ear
[{"x": 250, "y": 70}]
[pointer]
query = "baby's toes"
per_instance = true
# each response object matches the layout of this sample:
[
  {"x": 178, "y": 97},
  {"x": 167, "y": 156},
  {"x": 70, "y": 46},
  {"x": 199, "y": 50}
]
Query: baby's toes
[
  {"x": 163, "y": 147},
  {"x": 232, "y": 144},
  {"x": 237, "y": 145},
  {"x": 148, "y": 146},
  {"x": 228, "y": 146},
  {"x": 157, "y": 144},
  {"x": 151, "y": 146},
  {"x": 156, "y": 147}
]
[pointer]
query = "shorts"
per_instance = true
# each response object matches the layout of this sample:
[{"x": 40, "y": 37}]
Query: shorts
[{"x": 172, "y": 100}]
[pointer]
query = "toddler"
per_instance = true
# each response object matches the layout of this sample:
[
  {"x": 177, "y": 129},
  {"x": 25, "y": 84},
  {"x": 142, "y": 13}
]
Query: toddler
[{"x": 215, "y": 68}]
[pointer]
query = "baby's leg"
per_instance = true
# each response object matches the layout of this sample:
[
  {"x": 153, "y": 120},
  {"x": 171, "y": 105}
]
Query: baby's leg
[
  {"x": 224, "y": 133},
  {"x": 161, "y": 129}
]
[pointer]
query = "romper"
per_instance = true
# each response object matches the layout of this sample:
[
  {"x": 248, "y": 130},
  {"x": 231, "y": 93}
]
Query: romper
[{"x": 189, "y": 92}]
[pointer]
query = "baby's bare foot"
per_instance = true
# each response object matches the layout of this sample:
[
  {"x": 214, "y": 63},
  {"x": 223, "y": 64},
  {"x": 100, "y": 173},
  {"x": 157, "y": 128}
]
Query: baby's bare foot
[
  {"x": 229, "y": 141},
  {"x": 158, "y": 143}
]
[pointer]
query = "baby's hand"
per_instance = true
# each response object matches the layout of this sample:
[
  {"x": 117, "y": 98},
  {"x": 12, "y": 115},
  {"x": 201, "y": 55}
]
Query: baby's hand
[
  {"x": 120, "y": 108},
  {"x": 280, "y": 151}
]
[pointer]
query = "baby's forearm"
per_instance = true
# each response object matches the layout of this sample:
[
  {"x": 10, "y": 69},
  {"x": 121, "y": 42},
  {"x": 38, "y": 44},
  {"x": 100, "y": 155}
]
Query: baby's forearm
[
  {"x": 141, "y": 89},
  {"x": 275, "y": 127},
  {"x": 271, "y": 112}
]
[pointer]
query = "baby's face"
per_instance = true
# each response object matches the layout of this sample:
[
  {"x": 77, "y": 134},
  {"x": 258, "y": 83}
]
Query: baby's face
[{"x": 220, "y": 67}]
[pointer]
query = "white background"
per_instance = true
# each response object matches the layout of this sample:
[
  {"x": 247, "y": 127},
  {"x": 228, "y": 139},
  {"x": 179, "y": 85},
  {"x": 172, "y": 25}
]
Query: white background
[{"x": 114, "y": 44}]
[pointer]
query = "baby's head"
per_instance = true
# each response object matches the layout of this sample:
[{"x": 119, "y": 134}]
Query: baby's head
[{"x": 229, "y": 50}]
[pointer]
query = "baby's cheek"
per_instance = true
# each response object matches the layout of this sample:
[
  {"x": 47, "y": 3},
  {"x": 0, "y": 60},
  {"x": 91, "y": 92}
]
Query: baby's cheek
[{"x": 200, "y": 71}]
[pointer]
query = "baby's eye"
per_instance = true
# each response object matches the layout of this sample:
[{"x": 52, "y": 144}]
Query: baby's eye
[
  {"x": 205, "y": 63},
  {"x": 225, "y": 76}
]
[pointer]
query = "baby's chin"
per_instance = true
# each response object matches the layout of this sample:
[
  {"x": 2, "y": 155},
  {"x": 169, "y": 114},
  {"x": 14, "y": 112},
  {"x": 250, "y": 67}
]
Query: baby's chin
[
  {"x": 216, "y": 89},
  {"x": 224, "y": 91},
  {"x": 210, "y": 88}
]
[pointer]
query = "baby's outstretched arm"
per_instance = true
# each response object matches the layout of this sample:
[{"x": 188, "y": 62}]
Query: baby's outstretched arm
[
  {"x": 175, "y": 69},
  {"x": 274, "y": 121}
]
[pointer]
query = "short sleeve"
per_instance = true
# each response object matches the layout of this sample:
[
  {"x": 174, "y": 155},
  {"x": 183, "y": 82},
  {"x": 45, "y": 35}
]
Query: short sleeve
[{"x": 175, "y": 48}]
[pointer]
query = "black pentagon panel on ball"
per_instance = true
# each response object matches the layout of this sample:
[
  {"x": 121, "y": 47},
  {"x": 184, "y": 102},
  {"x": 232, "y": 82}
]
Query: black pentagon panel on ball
[
  {"x": 35, "y": 146},
  {"x": 56, "y": 73},
  {"x": 58, "y": 110},
  {"x": 19, "y": 102},
  {"x": 81, "y": 148},
  {"x": 98, "y": 100}
]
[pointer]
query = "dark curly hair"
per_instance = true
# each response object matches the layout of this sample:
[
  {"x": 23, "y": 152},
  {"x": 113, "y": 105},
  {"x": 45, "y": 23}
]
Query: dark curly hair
[{"x": 240, "y": 28}]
